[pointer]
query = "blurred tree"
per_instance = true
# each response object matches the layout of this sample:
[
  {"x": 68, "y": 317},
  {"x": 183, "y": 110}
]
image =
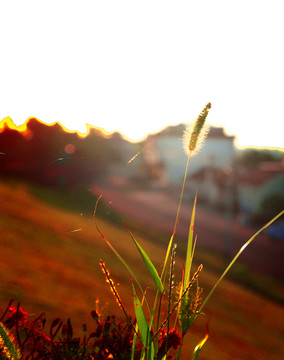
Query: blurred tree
[
  {"x": 251, "y": 158},
  {"x": 48, "y": 155},
  {"x": 273, "y": 203}
]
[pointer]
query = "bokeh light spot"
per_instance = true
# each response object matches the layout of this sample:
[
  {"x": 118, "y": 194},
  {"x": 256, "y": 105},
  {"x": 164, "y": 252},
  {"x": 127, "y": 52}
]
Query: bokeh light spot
[{"x": 69, "y": 149}]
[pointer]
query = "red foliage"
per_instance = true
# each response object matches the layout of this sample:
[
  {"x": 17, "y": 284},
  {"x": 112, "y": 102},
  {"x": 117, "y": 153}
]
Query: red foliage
[{"x": 109, "y": 339}]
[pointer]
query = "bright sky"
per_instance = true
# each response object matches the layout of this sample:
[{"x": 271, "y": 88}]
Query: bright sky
[{"x": 137, "y": 66}]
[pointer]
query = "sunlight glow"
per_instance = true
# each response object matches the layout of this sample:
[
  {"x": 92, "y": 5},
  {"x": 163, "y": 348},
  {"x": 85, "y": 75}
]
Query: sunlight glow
[{"x": 138, "y": 67}]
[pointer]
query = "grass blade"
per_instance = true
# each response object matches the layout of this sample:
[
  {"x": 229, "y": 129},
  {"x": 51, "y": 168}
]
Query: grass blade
[
  {"x": 188, "y": 261},
  {"x": 234, "y": 260},
  {"x": 141, "y": 319},
  {"x": 186, "y": 273},
  {"x": 163, "y": 274},
  {"x": 119, "y": 256},
  {"x": 143, "y": 328},
  {"x": 199, "y": 346},
  {"x": 134, "y": 342},
  {"x": 151, "y": 268}
]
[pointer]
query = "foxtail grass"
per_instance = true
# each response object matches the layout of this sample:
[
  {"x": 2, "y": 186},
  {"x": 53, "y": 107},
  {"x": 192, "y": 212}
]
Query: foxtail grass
[
  {"x": 8, "y": 346},
  {"x": 158, "y": 337}
]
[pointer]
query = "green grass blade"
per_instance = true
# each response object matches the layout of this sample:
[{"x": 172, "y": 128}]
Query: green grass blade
[
  {"x": 134, "y": 342},
  {"x": 188, "y": 261},
  {"x": 234, "y": 260},
  {"x": 193, "y": 250},
  {"x": 163, "y": 274},
  {"x": 143, "y": 328},
  {"x": 186, "y": 274},
  {"x": 141, "y": 319},
  {"x": 151, "y": 268}
]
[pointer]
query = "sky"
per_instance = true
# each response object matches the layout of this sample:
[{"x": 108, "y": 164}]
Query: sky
[{"x": 138, "y": 66}]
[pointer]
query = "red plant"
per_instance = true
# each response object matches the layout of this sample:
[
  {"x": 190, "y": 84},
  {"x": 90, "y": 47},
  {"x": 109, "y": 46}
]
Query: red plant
[{"x": 109, "y": 339}]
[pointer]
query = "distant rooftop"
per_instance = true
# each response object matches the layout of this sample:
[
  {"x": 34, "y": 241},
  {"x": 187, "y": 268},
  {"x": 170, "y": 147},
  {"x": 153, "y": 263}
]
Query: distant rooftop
[
  {"x": 264, "y": 173},
  {"x": 177, "y": 130},
  {"x": 218, "y": 132}
]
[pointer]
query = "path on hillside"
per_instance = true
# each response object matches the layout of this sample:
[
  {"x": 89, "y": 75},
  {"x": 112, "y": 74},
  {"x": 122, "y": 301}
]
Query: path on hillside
[{"x": 158, "y": 210}]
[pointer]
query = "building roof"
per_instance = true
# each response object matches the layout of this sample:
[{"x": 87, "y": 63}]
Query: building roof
[
  {"x": 218, "y": 132},
  {"x": 178, "y": 130},
  {"x": 261, "y": 175}
]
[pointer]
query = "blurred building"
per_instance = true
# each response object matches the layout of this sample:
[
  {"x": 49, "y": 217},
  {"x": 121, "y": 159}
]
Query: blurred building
[{"x": 208, "y": 170}]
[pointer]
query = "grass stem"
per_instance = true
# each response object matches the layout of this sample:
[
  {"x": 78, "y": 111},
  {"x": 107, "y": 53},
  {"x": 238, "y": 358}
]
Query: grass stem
[{"x": 234, "y": 260}]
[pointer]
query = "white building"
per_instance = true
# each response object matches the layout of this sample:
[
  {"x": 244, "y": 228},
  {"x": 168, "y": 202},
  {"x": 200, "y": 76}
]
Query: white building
[{"x": 217, "y": 152}]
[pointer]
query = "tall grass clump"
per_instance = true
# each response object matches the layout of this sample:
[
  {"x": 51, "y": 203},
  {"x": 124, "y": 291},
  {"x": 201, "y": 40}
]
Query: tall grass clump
[
  {"x": 157, "y": 336},
  {"x": 163, "y": 314}
]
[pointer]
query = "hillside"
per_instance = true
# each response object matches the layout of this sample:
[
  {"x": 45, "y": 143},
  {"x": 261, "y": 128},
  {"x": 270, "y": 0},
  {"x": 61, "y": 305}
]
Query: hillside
[{"x": 49, "y": 261}]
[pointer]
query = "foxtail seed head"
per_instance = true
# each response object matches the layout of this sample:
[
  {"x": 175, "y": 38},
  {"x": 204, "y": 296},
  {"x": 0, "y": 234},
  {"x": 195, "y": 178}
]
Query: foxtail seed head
[
  {"x": 8, "y": 345},
  {"x": 196, "y": 132},
  {"x": 111, "y": 284}
]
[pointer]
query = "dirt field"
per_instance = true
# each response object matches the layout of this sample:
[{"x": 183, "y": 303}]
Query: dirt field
[
  {"x": 49, "y": 262},
  {"x": 158, "y": 210}
]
